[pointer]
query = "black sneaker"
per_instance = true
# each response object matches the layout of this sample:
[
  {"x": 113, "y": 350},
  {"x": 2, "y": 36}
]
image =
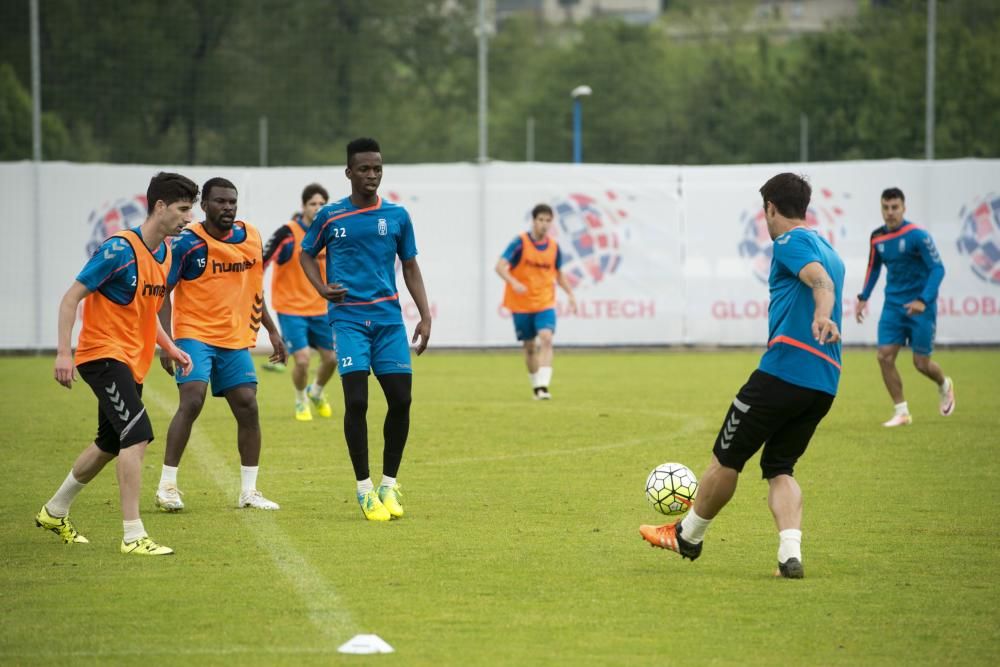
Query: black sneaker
[
  {"x": 790, "y": 569},
  {"x": 668, "y": 536}
]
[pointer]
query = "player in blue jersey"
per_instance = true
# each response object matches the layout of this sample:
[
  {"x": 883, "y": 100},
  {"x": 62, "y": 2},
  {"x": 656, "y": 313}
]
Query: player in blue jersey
[
  {"x": 363, "y": 235},
  {"x": 909, "y": 315},
  {"x": 790, "y": 392}
]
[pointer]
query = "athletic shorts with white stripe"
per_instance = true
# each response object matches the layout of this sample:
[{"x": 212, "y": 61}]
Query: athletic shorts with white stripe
[
  {"x": 122, "y": 420},
  {"x": 772, "y": 413}
]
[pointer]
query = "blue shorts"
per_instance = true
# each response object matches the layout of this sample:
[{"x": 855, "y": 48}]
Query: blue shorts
[
  {"x": 895, "y": 327},
  {"x": 527, "y": 325},
  {"x": 380, "y": 348},
  {"x": 226, "y": 369},
  {"x": 301, "y": 331}
]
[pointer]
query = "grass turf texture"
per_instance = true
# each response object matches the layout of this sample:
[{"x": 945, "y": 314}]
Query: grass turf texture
[{"x": 520, "y": 541}]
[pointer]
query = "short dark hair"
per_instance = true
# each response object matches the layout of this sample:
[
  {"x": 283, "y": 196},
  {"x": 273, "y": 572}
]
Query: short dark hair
[
  {"x": 217, "y": 182},
  {"x": 170, "y": 188},
  {"x": 789, "y": 193},
  {"x": 361, "y": 145},
  {"x": 541, "y": 208},
  {"x": 312, "y": 190},
  {"x": 893, "y": 193}
]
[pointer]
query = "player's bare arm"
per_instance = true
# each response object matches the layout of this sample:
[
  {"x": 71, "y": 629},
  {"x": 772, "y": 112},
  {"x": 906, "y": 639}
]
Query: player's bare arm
[
  {"x": 280, "y": 354},
  {"x": 330, "y": 291},
  {"x": 166, "y": 323},
  {"x": 65, "y": 373},
  {"x": 564, "y": 283},
  {"x": 415, "y": 285},
  {"x": 824, "y": 329},
  {"x": 503, "y": 270}
]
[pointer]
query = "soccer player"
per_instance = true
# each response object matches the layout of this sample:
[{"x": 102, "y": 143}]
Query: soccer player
[
  {"x": 530, "y": 268},
  {"x": 122, "y": 287},
  {"x": 217, "y": 283},
  {"x": 909, "y": 315},
  {"x": 301, "y": 311},
  {"x": 791, "y": 391},
  {"x": 363, "y": 235}
]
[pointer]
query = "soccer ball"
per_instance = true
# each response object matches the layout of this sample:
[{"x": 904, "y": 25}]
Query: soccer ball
[{"x": 671, "y": 488}]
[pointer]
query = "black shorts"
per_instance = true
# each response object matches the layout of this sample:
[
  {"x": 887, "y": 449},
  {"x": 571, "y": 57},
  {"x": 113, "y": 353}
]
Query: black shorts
[
  {"x": 776, "y": 414},
  {"x": 121, "y": 417}
]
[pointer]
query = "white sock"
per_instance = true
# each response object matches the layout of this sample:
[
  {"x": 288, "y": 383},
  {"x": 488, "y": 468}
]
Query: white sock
[
  {"x": 133, "y": 530},
  {"x": 693, "y": 528},
  {"x": 248, "y": 478},
  {"x": 388, "y": 481},
  {"x": 790, "y": 545},
  {"x": 168, "y": 475},
  {"x": 544, "y": 376},
  {"x": 365, "y": 485},
  {"x": 944, "y": 386},
  {"x": 58, "y": 505},
  {"x": 534, "y": 380},
  {"x": 902, "y": 408},
  {"x": 300, "y": 395},
  {"x": 315, "y": 389}
]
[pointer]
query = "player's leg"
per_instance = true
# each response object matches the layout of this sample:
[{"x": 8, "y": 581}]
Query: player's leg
[
  {"x": 392, "y": 367},
  {"x": 781, "y": 452},
  {"x": 354, "y": 341},
  {"x": 893, "y": 334},
  {"x": 923, "y": 345},
  {"x": 545, "y": 325},
  {"x": 294, "y": 333},
  {"x": 524, "y": 329},
  {"x": 321, "y": 338}
]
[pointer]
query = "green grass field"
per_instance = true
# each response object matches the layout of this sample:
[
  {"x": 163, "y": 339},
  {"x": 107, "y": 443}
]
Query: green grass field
[{"x": 520, "y": 544}]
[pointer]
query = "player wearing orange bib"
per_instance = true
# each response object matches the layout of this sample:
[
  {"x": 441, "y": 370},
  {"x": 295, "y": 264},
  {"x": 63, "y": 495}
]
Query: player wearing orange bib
[
  {"x": 122, "y": 287},
  {"x": 217, "y": 282},
  {"x": 302, "y": 313},
  {"x": 530, "y": 267}
]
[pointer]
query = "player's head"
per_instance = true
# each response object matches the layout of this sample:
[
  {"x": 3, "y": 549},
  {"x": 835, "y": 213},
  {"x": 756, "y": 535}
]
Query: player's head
[
  {"x": 170, "y": 199},
  {"x": 314, "y": 197},
  {"x": 218, "y": 201},
  {"x": 786, "y": 196},
  {"x": 893, "y": 207},
  {"x": 541, "y": 220},
  {"x": 364, "y": 166}
]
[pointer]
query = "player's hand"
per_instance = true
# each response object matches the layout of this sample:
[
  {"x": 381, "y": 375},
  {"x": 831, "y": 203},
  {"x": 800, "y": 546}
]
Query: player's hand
[
  {"x": 915, "y": 307},
  {"x": 859, "y": 311},
  {"x": 334, "y": 292},
  {"x": 825, "y": 330},
  {"x": 421, "y": 334},
  {"x": 65, "y": 373},
  {"x": 166, "y": 362},
  {"x": 183, "y": 359},
  {"x": 518, "y": 286},
  {"x": 280, "y": 354},
  {"x": 572, "y": 304}
]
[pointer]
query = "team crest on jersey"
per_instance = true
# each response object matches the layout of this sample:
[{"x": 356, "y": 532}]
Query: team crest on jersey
[
  {"x": 902, "y": 245},
  {"x": 591, "y": 233},
  {"x": 824, "y": 216},
  {"x": 383, "y": 228},
  {"x": 979, "y": 239},
  {"x": 123, "y": 213},
  {"x": 881, "y": 247}
]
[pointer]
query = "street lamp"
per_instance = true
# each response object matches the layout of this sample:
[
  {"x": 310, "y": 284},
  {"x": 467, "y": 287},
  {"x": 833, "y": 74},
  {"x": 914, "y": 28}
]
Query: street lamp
[{"x": 578, "y": 93}]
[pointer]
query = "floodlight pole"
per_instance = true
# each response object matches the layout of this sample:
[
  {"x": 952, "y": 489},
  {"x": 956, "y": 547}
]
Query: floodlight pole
[
  {"x": 482, "y": 32},
  {"x": 36, "y": 160},
  {"x": 578, "y": 93},
  {"x": 931, "y": 57}
]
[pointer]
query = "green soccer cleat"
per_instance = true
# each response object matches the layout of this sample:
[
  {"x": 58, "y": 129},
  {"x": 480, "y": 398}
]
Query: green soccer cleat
[
  {"x": 320, "y": 403},
  {"x": 372, "y": 507},
  {"x": 390, "y": 497},
  {"x": 60, "y": 525},
  {"x": 144, "y": 546},
  {"x": 274, "y": 368}
]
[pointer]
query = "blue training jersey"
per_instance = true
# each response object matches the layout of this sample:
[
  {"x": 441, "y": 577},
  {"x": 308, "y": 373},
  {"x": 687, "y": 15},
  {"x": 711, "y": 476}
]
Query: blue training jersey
[
  {"x": 191, "y": 254},
  {"x": 361, "y": 249},
  {"x": 913, "y": 266},
  {"x": 513, "y": 252},
  {"x": 112, "y": 269},
  {"x": 792, "y": 353}
]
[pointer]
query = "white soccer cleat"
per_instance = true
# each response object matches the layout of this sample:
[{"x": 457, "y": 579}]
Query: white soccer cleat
[
  {"x": 899, "y": 420},
  {"x": 254, "y": 498},
  {"x": 947, "y": 392},
  {"x": 168, "y": 498}
]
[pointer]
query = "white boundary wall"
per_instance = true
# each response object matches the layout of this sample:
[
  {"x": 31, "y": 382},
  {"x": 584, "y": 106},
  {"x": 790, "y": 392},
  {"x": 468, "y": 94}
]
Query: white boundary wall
[{"x": 663, "y": 254}]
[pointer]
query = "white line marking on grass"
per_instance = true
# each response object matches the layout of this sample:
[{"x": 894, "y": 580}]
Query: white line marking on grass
[{"x": 320, "y": 599}]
